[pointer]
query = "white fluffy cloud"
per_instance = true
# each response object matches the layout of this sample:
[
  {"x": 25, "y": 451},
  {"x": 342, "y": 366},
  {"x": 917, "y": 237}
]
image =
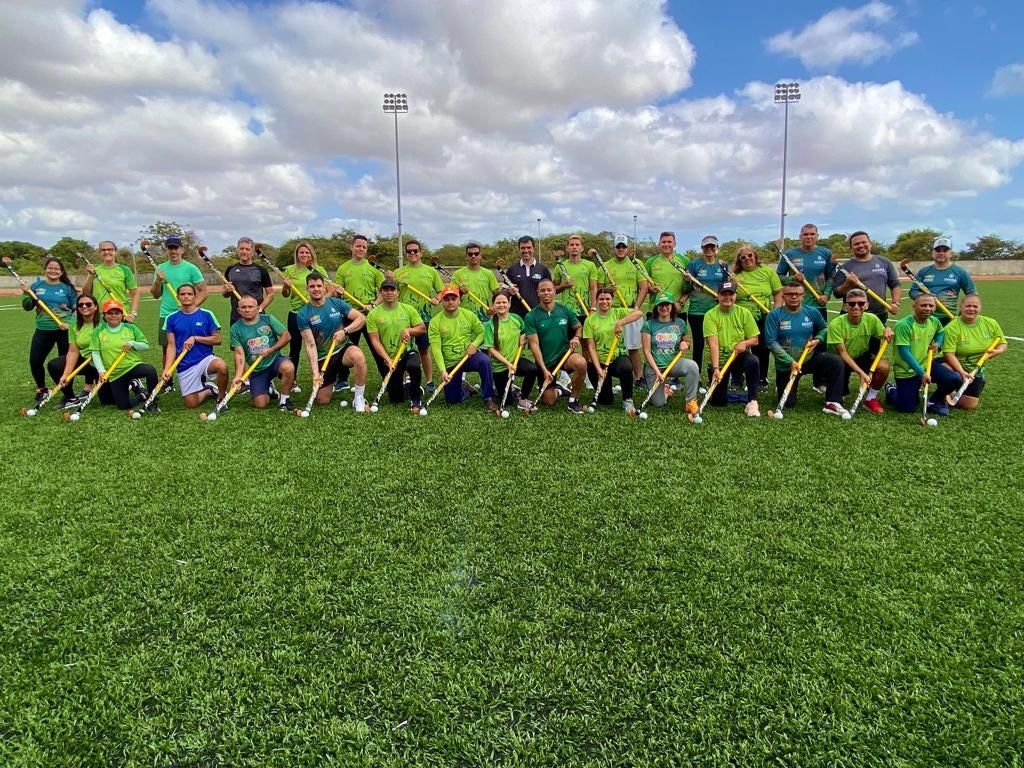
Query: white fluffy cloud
[{"x": 861, "y": 35}]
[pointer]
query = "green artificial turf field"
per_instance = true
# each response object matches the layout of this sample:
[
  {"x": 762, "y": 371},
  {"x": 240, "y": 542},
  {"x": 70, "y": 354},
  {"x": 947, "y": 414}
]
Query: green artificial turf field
[{"x": 387, "y": 590}]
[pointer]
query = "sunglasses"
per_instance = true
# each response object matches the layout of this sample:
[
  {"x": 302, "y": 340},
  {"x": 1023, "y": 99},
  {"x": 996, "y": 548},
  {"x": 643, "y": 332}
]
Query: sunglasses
[
  {"x": 84, "y": 304},
  {"x": 708, "y": 247},
  {"x": 943, "y": 249},
  {"x": 620, "y": 245},
  {"x": 411, "y": 251},
  {"x": 746, "y": 256},
  {"x": 856, "y": 303},
  {"x": 173, "y": 247},
  {"x": 472, "y": 253}
]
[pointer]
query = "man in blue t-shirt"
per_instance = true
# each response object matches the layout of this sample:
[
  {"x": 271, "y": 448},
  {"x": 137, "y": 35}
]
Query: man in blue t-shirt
[{"x": 194, "y": 331}]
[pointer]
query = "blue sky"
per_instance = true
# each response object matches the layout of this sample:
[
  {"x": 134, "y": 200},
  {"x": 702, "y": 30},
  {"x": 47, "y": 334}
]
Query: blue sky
[{"x": 580, "y": 113}]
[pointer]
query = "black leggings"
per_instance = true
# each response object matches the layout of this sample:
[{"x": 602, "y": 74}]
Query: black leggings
[
  {"x": 55, "y": 367},
  {"x": 525, "y": 368},
  {"x": 409, "y": 363},
  {"x": 119, "y": 386},
  {"x": 43, "y": 343},
  {"x": 620, "y": 369},
  {"x": 295, "y": 345},
  {"x": 761, "y": 351},
  {"x": 745, "y": 365}
]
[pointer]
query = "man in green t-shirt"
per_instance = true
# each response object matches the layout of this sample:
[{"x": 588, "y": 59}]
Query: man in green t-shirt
[
  {"x": 729, "y": 328},
  {"x": 456, "y": 333},
  {"x": 417, "y": 280},
  {"x": 388, "y": 326},
  {"x": 552, "y": 330},
  {"x": 174, "y": 272},
  {"x": 856, "y": 338},
  {"x": 914, "y": 336},
  {"x": 362, "y": 280}
]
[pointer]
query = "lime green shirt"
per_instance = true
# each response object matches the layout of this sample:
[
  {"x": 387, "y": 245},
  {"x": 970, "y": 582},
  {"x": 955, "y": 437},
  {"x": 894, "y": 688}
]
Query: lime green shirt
[
  {"x": 582, "y": 274},
  {"x": 298, "y": 274},
  {"x": 666, "y": 276},
  {"x": 730, "y": 327},
  {"x": 763, "y": 283},
  {"x": 82, "y": 337},
  {"x": 427, "y": 280},
  {"x": 918, "y": 336},
  {"x": 855, "y": 338},
  {"x": 451, "y": 335},
  {"x": 601, "y": 329},
  {"x": 481, "y": 282},
  {"x": 361, "y": 279},
  {"x": 970, "y": 342},
  {"x": 388, "y": 324},
  {"x": 119, "y": 279},
  {"x": 509, "y": 333},
  {"x": 108, "y": 343},
  {"x": 626, "y": 278}
]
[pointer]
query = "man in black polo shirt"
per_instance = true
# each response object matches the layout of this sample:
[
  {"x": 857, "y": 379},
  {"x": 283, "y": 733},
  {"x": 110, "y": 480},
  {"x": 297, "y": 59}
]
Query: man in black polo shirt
[
  {"x": 526, "y": 275},
  {"x": 248, "y": 279}
]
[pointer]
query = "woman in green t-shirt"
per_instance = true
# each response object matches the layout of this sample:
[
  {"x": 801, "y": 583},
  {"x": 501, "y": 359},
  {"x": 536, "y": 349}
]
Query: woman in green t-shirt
[
  {"x": 303, "y": 262},
  {"x": 503, "y": 335},
  {"x": 87, "y": 317},
  {"x": 602, "y": 329},
  {"x": 760, "y": 290},
  {"x": 968, "y": 338}
]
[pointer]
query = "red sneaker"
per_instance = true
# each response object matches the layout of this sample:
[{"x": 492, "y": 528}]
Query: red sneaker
[{"x": 874, "y": 406}]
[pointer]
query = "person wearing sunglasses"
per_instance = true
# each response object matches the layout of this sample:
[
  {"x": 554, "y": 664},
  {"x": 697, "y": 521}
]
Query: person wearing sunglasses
[
  {"x": 474, "y": 279},
  {"x": 87, "y": 317},
  {"x": 627, "y": 281},
  {"x": 944, "y": 279},
  {"x": 426, "y": 280},
  {"x": 856, "y": 336}
]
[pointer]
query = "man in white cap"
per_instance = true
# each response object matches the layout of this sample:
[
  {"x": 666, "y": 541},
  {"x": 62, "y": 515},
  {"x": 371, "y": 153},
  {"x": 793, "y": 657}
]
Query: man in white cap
[
  {"x": 944, "y": 278},
  {"x": 712, "y": 273},
  {"x": 627, "y": 282}
]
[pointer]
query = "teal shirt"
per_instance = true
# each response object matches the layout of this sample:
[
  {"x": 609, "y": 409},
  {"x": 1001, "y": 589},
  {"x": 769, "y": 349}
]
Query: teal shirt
[
  {"x": 177, "y": 275},
  {"x": 787, "y": 333},
  {"x": 256, "y": 338}
]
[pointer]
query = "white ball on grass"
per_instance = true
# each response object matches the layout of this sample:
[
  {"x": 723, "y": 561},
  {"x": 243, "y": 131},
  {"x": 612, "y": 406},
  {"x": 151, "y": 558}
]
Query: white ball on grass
[
  {"x": 643, "y": 415},
  {"x": 779, "y": 415},
  {"x": 504, "y": 414},
  {"x": 31, "y": 412},
  {"x": 698, "y": 420},
  {"x": 932, "y": 423},
  {"x": 423, "y": 411},
  {"x": 75, "y": 416},
  {"x": 374, "y": 409},
  {"x": 304, "y": 414},
  {"x": 212, "y": 416},
  {"x": 847, "y": 417},
  {"x": 590, "y": 409},
  {"x": 343, "y": 404},
  {"x": 136, "y": 415}
]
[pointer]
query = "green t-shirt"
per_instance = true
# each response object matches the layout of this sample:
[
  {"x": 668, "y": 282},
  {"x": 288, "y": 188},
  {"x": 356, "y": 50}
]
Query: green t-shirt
[
  {"x": 361, "y": 279},
  {"x": 481, "y": 282},
  {"x": 82, "y": 337},
  {"x": 388, "y": 324},
  {"x": 109, "y": 343},
  {"x": 856, "y": 338},
  {"x": 450, "y": 335},
  {"x": 582, "y": 272},
  {"x": 119, "y": 279},
  {"x": 665, "y": 339},
  {"x": 601, "y": 328},
  {"x": 731, "y": 328},
  {"x": 177, "y": 275},
  {"x": 298, "y": 274},
  {"x": 970, "y": 342},
  {"x": 256, "y": 338},
  {"x": 763, "y": 283},
  {"x": 427, "y": 280},
  {"x": 918, "y": 336},
  {"x": 552, "y": 329},
  {"x": 509, "y": 332},
  {"x": 666, "y": 276},
  {"x": 626, "y": 278}
]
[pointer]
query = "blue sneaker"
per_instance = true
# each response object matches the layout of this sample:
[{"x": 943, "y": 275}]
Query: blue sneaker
[
  {"x": 341, "y": 386},
  {"x": 939, "y": 409}
]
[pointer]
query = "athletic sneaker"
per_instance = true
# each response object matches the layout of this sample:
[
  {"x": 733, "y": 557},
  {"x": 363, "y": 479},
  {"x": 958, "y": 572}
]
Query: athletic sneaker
[
  {"x": 244, "y": 388},
  {"x": 874, "y": 406},
  {"x": 284, "y": 406},
  {"x": 640, "y": 384},
  {"x": 341, "y": 386},
  {"x": 574, "y": 405},
  {"x": 430, "y": 387},
  {"x": 890, "y": 392},
  {"x": 562, "y": 391},
  {"x": 762, "y": 384},
  {"x": 169, "y": 386},
  {"x": 70, "y": 403},
  {"x": 752, "y": 409},
  {"x": 153, "y": 408},
  {"x": 273, "y": 391},
  {"x": 628, "y": 407},
  {"x": 212, "y": 389},
  {"x": 359, "y": 404},
  {"x": 296, "y": 390},
  {"x": 137, "y": 388},
  {"x": 525, "y": 405},
  {"x": 415, "y": 405},
  {"x": 491, "y": 404},
  {"x": 835, "y": 409},
  {"x": 939, "y": 409},
  {"x": 469, "y": 389},
  {"x": 820, "y": 388}
]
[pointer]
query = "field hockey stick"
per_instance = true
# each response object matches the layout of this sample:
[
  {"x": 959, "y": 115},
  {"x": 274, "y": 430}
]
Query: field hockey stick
[
  {"x": 451, "y": 279},
  {"x": 95, "y": 274},
  {"x": 164, "y": 380},
  {"x": 451, "y": 374},
  {"x": 375, "y": 406},
  {"x": 270, "y": 263},
  {"x": 511, "y": 378},
  {"x": 871, "y": 372},
  {"x": 604, "y": 373},
  {"x": 144, "y": 247},
  {"x": 436, "y": 264},
  {"x": 662, "y": 376},
  {"x": 777, "y": 413},
  {"x": 201, "y": 250},
  {"x": 695, "y": 280},
  {"x": 76, "y": 414},
  {"x": 39, "y": 302},
  {"x": 551, "y": 380},
  {"x": 347, "y": 294},
  {"x": 308, "y": 409},
  {"x": 955, "y": 397},
  {"x": 560, "y": 264},
  {"x": 792, "y": 266},
  {"x": 593, "y": 253},
  {"x": 924, "y": 288},
  {"x": 414, "y": 289},
  {"x": 638, "y": 265},
  {"x": 222, "y": 406},
  {"x": 860, "y": 284},
  {"x": 698, "y": 418},
  {"x": 924, "y": 387},
  {"x": 410, "y": 286},
  {"x": 751, "y": 296},
  {"x": 499, "y": 264},
  {"x": 56, "y": 388}
]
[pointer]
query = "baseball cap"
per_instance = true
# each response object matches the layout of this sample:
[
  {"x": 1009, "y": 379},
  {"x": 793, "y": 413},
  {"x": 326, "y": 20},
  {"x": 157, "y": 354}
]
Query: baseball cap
[
  {"x": 664, "y": 298},
  {"x": 450, "y": 290},
  {"x": 172, "y": 241},
  {"x": 621, "y": 240},
  {"x": 110, "y": 304},
  {"x": 389, "y": 283},
  {"x": 709, "y": 240},
  {"x": 728, "y": 287},
  {"x": 943, "y": 242}
]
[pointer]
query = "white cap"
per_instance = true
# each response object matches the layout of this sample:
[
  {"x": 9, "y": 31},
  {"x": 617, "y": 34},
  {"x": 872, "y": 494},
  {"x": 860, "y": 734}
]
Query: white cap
[
  {"x": 709, "y": 240},
  {"x": 943, "y": 242},
  {"x": 621, "y": 240}
]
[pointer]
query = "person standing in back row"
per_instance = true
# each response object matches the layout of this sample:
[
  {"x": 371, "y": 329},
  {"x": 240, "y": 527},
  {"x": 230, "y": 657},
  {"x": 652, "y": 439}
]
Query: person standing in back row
[
  {"x": 871, "y": 273},
  {"x": 526, "y": 275},
  {"x": 815, "y": 265},
  {"x": 248, "y": 279},
  {"x": 362, "y": 280}
]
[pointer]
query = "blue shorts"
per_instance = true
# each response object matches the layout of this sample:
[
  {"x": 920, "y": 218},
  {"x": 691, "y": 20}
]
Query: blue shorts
[{"x": 259, "y": 383}]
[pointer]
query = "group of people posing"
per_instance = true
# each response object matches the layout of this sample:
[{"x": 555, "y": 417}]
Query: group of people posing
[{"x": 662, "y": 324}]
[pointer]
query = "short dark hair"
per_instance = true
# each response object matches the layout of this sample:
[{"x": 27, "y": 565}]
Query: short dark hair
[
  {"x": 412, "y": 242},
  {"x": 361, "y": 237},
  {"x": 313, "y": 276},
  {"x": 857, "y": 234},
  {"x": 667, "y": 233},
  {"x": 527, "y": 239}
]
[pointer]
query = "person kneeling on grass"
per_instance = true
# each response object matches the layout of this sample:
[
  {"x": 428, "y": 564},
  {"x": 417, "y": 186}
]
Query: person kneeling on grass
[
  {"x": 600, "y": 329},
  {"x": 913, "y": 336},
  {"x": 194, "y": 331},
  {"x": 456, "y": 333},
  {"x": 388, "y": 326},
  {"x": 111, "y": 339},
  {"x": 662, "y": 337},
  {"x": 323, "y": 320},
  {"x": 503, "y": 336},
  {"x": 729, "y": 328},
  {"x": 967, "y": 339},
  {"x": 552, "y": 330},
  {"x": 259, "y": 333},
  {"x": 856, "y": 337},
  {"x": 787, "y": 330}
]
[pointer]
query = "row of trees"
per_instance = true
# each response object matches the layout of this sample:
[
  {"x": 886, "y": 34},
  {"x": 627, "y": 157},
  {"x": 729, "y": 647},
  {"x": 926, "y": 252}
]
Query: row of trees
[{"x": 333, "y": 249}]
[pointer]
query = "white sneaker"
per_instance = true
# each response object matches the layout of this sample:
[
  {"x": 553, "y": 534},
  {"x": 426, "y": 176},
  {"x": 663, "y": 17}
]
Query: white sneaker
[
  {"x": 359, "y": 405},
  {"x": 752, "y": 409},
  {"x": 835, "y": 409},
  {"x": 525, "y": 405}
]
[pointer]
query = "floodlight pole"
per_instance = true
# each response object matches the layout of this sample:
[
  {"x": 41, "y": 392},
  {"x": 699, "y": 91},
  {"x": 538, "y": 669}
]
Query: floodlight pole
[
  {"x": 395, "y": 103},
  {"x": 785, "y": 93}
]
